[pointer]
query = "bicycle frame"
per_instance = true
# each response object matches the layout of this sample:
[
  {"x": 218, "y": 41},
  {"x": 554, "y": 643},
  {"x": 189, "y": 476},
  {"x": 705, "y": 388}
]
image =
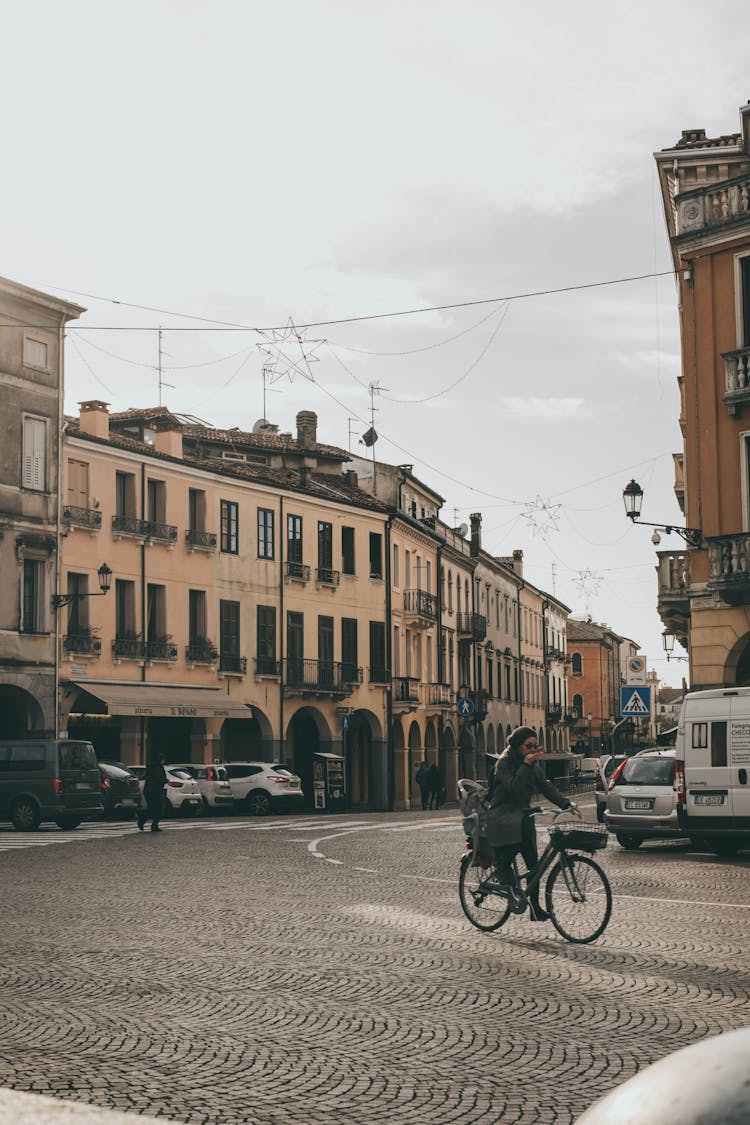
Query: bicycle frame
[{"x": 533, "y": 877}]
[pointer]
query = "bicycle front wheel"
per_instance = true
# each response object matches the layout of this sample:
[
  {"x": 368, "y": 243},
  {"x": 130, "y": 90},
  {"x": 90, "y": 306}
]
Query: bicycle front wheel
[
  {"x": 482, "y": 904},
  {"x": 579, "y": 898}
]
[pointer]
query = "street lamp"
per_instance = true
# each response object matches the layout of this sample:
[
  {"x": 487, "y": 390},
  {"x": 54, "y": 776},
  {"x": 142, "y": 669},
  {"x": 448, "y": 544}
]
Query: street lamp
[
  {"x": 591, "y": 740},
  {"x": 632, "y": 495},
  {"x": 105, "y": 581},
  {"x": 667, "y": 639}
]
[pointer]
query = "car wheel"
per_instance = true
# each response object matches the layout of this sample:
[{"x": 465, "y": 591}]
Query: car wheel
[
  {"x": 600, "y": 813},
  {"x": 630, "y": 843},
  {"x": 25, "y": 815},
  {"x": 258, "y": 803},
  {"x": 724, "y": 847},
  {"x": 67, "y": 823}
]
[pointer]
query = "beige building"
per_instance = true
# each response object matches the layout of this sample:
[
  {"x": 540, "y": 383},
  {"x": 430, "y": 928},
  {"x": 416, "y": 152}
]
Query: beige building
[
  {"x": 31, "y": 374},
  {"x": 247, "y": 617}
]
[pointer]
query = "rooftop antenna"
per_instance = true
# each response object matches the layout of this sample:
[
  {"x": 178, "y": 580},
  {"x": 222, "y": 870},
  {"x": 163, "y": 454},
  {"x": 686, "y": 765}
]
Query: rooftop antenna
[
  {"x": 554, "y": 583},
  {"x": 371, "y": 436},
  {"x": 161, "y": 380}
]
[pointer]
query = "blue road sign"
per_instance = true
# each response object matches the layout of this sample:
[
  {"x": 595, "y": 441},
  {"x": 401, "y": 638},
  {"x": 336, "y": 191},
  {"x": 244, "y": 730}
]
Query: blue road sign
[
  {"x": 465, "y": 707},
  {"x": 345, "y": 723},
  {"x": 635, "y": 702}
]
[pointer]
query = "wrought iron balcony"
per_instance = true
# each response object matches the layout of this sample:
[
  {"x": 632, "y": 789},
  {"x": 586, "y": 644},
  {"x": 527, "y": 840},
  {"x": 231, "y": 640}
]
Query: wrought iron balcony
[
  {"x": 481, "y": 700},
  {"x": 200, "y": 540},
  {"x": 729, "y": 566},
  {"x": 420, "y": 604},
  {"x": 235, "y": 665},
  {"x": 82, "y": 644},
  {"x": 472, "y": 625},
  {"x": 405, "y": 689},
  {"x": 267, "y": 666},
  {"x": 321, "y": 677},
  {"x": 554, "y": 713},
  {"x": 144, "y": 529},
  {"x": 82, "y": 517},
  {"x": 128, "y": 648},
  {"x": 572, "y": 716},
  {"x": 161, "y": 650},
  {"x": 201, "y": 651},
  {"x": 298, "y": 572},
  {"x": 379, "y": 674},
  {"x": 324, "y": 576},
  {"x": 718, "y": 205}
]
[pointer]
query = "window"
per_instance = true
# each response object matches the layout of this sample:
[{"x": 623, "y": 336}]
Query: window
[
  {"x": 266, "y": 652},
  {"x": 376, "y": 555},
  {"x": 78, "y": 608},
  {"x": 700, "y": 736},
  {"x": 77, "y": 491},
  {"x": 196, "y": 510},
  {"x": 156, "y": 616},
  {"x": 124, "y": 608},
  {"x": 325, "y": 546},
  {"x": 33, "y": 596},
  {"x": 577, "y": 664},
  {"x": 34, "y": 461},
  {"x": 349, "y": 649},
  {"x": 295, "y": 648},
  {"x": 377, "y": 652},
  {"x": 265, "y": 533},
  {"x": 347, "y": 550},
  {"x": 745, "y": 285},
  {"x": 125, "y": 495},
  {"x": 229, "y": 527},
  {"x": 490, "y": 666},
  {"x": 197, "y": 626},
  {"x": 325, "y": 651},
  {"x": 578, "y": 705},
  {"x": 396, "y": 575},
  {"x": 396, "y": 657},
  {"x": 718, "y": 744},
  {"x": 229, "y": 629},
  {"x": 35, "y": 354},
  {"x": 156, "y": 501},
  {"x": 294, "y": 539}
]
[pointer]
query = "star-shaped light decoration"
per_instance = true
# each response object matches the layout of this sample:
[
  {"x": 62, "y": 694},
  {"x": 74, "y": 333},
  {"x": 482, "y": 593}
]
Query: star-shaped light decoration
[
  {"x": 587, "y": 582},
  {"x": 541, "y": 516},
  {"x": 288, "y": 352}
]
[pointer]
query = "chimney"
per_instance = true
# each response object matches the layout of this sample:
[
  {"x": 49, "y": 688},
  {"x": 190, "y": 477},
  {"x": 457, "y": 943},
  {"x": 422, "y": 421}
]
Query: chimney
[
  {"x": 518, "y": 562},
  {"x": 350, "y": 478},
  {"x": 475, "y": 520},
  {"x": 168, "y": 439},
  {"x": 94, "y": 418},
  {"x": 307, "y": 429}
]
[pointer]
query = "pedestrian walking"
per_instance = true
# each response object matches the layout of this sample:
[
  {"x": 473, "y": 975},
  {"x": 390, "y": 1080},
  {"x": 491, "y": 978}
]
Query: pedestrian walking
[
  {"x": 423, "y": 781},
  {"x": 154, "y": 781},
  {"x": 436, "y": 787}
]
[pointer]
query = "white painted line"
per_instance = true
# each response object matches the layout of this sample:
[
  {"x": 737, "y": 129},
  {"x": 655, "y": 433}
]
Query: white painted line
[{"x": 681, "y": 901}]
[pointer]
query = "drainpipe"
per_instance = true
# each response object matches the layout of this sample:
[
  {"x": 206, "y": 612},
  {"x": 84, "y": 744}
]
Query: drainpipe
[
  {"x": 143, "y": 754},
  {"x": 390, "y": 787},
  {"x": 58, "y": 518},
  {"x": 282, "y": 741},
  {"x": 520, "y": 666}
]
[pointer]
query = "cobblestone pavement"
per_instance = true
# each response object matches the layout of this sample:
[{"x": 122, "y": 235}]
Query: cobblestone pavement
[{"x": 293, "y": 970}]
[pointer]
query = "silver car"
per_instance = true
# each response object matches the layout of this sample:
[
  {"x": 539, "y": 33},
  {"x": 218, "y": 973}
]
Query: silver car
[{"x": 641, "y": 800}]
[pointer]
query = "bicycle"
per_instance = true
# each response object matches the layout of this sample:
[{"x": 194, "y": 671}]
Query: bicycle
[{"x": 578, "y": 897}]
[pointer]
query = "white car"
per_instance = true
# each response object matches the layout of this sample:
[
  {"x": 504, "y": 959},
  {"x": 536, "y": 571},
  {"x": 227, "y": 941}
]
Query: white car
[
  {"x": 181, "y": 793},
  {"x": 216, "y": 792},
  {"x": 260, "y": 787}
]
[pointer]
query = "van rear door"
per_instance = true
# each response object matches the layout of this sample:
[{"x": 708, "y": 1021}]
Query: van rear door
[
  {"x": 79, "y": 773},
  {"x": 708, "y": 788},
  {"x": 739, "y": 762}
]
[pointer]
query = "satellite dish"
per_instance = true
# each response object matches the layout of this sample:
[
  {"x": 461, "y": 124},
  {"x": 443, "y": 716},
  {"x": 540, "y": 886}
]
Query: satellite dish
[
  {"x": 463, "y": 530},
  {"x": 370, "y": 437}
]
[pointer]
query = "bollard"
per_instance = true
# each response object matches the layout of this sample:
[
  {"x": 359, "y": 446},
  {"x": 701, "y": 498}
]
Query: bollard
[{"x": 707, "y": 1083}]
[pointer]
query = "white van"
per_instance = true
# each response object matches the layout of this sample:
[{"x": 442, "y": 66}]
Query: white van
[{"x": 712, "y": 774}]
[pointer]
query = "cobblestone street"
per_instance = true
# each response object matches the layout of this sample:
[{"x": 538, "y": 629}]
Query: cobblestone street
[{"x": 316, "y": 970}]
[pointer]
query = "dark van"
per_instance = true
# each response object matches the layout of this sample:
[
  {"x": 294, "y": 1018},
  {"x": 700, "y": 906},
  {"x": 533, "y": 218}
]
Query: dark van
[{"x": 48, "y": 779}]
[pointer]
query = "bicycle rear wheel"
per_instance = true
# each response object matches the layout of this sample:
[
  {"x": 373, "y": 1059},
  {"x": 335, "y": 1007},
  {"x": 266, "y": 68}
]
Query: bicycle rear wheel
[
  {"x": 482, "y": 904},
  {"x": 579, "y": 898}
]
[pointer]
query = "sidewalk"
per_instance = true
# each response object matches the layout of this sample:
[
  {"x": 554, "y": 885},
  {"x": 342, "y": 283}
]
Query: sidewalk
[{"x": 36, "y": 1109}]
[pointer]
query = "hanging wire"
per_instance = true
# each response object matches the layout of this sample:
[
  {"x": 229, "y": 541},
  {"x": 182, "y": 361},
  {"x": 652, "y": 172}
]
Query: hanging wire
[
  {"x": 86, "y": 364},
  {"x": 166, "y": 366},
  {"x": 416, "y": 351}
]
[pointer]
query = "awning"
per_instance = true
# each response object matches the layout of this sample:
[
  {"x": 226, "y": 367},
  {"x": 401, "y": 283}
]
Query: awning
[{"x": 173, "y": 702}]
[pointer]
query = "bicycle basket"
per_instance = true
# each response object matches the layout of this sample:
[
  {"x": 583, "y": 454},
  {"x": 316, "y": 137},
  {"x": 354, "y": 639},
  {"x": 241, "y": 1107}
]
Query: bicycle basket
[{"x": 583, "y": 837}]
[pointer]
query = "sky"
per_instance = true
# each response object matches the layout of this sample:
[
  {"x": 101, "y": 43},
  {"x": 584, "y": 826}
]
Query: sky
[{"x": 186, "y": 164}]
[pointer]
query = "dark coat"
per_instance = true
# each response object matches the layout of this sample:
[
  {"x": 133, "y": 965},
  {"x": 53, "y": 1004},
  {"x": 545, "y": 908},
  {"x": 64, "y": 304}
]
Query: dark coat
[
  {"x": 154, "y": 780},
  {"x": 513, "y": 787},
  {"x": 435, "y": 780}
]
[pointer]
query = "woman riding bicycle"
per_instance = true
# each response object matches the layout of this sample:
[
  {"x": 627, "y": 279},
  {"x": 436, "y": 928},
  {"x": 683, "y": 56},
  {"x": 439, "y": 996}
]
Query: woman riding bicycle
[{"x": 513, "y": 784}]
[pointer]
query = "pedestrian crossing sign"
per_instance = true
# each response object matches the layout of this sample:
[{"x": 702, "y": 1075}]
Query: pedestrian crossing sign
[{"x": 635, "y": 701}]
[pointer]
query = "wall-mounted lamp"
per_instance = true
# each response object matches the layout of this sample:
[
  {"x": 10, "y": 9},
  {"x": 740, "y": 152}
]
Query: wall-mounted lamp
[
  {"x": 632, "y": 495},
  {"x": 105, "y": 581},
  {"x": 667, "y": 639}
]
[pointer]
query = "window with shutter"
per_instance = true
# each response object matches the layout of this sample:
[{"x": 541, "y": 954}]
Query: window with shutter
[{"x": 34, "y": 471}]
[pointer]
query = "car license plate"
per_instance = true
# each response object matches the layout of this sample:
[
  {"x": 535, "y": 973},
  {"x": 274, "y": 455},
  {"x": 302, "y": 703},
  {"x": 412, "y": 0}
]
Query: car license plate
[
  {"x": 294, "y": 785},
  {"x": 638, "y": 803},
  {"x": 708, "y": 799},
  {"x": 82, "y": 785}
]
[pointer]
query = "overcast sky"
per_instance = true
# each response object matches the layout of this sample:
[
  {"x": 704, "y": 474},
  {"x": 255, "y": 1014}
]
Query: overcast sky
[{"x": 248, "y": 163}]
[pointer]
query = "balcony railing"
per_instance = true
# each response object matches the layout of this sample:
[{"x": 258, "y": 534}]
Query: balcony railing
[
  {"x": 405, "y": 689},
  {"x": 472, "y": 625},
  {"x": 144, "y": 529},
  {"x": 572, "y": 716},
  {"x": 200, "y": 540},
  {"x": 321, "y": 676},
  {"x": 298, "y": 571},
  {"x": 554, "y": 713},
  {"x": 436, "y": 695},
  {"x": 327, "y": 577},
  {"x": 82, "y": 517},
  {"x": 714, "y": 206},
  {"x": 736, "y": 379},
  {"x": 379, "y": 674},
  {"x": 161, "y": 650},
  {"x": 128, "y": 648},
  {"x": 420, "y": 604},
  {"x": 82, "y": 644},
  {"x": 729, "y": 565},
  {"x": 267, "y": 666},
  {"x": 235, "y": 665},
  {"x": 201, "y": 652}
]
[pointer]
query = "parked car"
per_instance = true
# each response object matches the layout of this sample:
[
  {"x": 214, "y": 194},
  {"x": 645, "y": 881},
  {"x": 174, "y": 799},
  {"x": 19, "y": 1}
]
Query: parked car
[
  {"x": 608, "y": 763},
  {"x": 641, "y": 801},
  {"x": 121, "y": 792},
  {"x": 48, "y": 779},
  {"x": 260, "y": 787},
  {"x": 216, "y": 792},
  {"x": 181, "y": 793}
]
